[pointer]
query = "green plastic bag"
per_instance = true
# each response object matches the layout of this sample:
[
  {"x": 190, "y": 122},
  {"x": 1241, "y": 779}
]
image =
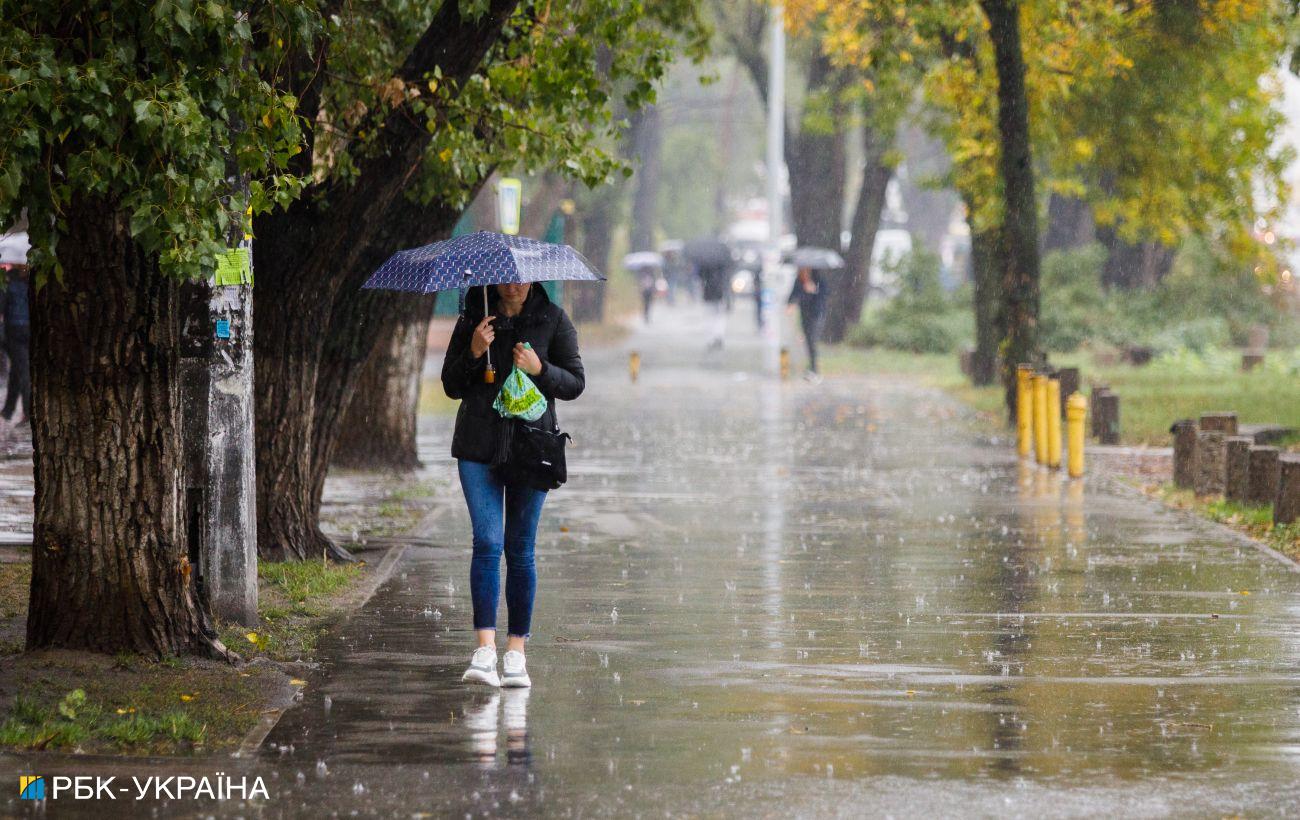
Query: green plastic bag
[{"x": 519, "y": 397}]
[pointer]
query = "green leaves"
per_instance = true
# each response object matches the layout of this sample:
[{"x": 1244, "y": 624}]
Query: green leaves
[{"x": 142, "y": 106}]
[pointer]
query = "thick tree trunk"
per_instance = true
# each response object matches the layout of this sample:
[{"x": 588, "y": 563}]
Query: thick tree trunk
[
  {"x": 1069, "y": 223},
  {"x": 845, "y": 308},
  {"x": 300, "y": 255},
  {"x": 587, "y": 301},
  {"x": 1133, "y": 267},
  {"x": 378, "y": 429},
  {"x": 987, "y": 249},
  {"x": 818, "y": 172},
  {"x": 645, "y": 194},
  {"x": 1020, "y": 209},
  {"x": 360, "y": 326},
  {"x": 110, "y": 570}
]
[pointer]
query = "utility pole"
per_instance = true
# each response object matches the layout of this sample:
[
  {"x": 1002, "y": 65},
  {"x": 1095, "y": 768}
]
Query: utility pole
[
  {"x": 775, "y": 178},
  {"x": 216, "y": 369}
]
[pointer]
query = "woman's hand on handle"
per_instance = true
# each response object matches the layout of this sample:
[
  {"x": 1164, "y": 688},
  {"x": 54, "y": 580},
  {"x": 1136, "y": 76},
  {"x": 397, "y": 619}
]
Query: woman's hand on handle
[
  {"x": 483, "y": 336},
  {"x": 526, "y": 360}
]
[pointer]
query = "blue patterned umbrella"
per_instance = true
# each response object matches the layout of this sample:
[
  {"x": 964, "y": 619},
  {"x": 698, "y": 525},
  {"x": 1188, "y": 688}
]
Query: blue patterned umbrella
[{"x": 482, "y": 258}]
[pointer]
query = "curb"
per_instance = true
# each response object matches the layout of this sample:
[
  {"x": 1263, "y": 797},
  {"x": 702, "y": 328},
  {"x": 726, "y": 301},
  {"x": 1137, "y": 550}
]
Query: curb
[
  {"x": 256, "y": 736},
  {"x": 1116, "y": 481}
]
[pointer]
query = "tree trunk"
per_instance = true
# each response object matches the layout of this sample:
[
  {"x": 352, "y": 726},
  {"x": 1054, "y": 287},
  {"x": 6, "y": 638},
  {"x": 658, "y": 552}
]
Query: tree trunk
[
  {"x": 845, "y": 308},
  {"x": 1020, "y": 209},
  {"x": 1133, "y": 267},
  {"x": 301, "y": 253},
  {"x": 987, "y": 249},
  {"x": 378, "y": 429},
  {"x": 817, "y": 164},
  {"x": 587, "y": 301},
  {"x": 360, "y": 325},
  {"x": 645, "y": 195},
  {"x": 110, "y": 569},
  {"x": 1069, "y": 223}
]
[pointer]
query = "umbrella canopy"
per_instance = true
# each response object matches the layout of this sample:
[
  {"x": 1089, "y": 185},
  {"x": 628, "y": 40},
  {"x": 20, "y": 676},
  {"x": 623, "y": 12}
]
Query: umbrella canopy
[
  {"x": 708, "y": 252},
  {"x": 816, "y": 259},
  {"x": 483, "y": 258},
  {"x": 642, "y": 260},
  {"x": 13, "y": 248}
]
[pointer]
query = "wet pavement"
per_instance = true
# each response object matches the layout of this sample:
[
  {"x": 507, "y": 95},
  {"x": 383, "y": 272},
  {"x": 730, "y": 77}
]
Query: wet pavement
[{"x": 767, "y": 599}]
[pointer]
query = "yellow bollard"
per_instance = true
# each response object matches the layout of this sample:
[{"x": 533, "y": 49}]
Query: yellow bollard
[
  {"x": 1024, "y": 410},
  {"x": 634, "y": 365},
  {"x": 785, "y": 363},
  {"x": 1040, "y": 418},
  {"x": 1054, "y": 423},
  {"x": 1076, "y": 411}
]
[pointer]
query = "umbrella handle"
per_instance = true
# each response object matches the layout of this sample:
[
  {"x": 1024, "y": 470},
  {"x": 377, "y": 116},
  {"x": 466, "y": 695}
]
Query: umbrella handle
[{"x": 489, "y": 375}]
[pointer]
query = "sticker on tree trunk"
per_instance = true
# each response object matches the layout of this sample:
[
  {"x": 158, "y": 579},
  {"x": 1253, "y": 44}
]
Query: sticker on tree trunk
[{"x": 234, "y": 267}]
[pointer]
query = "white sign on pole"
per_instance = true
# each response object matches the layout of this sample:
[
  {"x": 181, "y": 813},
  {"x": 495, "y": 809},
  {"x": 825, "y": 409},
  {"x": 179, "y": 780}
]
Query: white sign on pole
[{"x": 510, "y": 200}]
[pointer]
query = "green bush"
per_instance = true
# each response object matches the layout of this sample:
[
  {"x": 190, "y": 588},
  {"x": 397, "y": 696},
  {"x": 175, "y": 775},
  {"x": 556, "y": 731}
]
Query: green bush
[
  {"x": 922, "y": 318},
  {"x": 1207, "y": 302},
  {"x": 1073, "y": 308}
]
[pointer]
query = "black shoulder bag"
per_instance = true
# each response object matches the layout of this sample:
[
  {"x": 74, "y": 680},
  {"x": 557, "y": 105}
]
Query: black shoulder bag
[{"x": 533, "y": 457}]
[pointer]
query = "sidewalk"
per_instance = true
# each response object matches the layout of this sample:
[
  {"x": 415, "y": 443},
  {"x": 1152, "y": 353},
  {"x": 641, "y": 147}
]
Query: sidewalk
[{"x": 760, "y": 599}]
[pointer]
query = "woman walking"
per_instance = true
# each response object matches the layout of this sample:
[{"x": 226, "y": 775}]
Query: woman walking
[
  {"x": 518, "y": 324},
  {"x": 809, "y": 292}
]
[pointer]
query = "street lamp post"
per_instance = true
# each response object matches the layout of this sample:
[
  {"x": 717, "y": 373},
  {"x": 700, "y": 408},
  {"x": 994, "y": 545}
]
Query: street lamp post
[{"x": 775, "y": 167}]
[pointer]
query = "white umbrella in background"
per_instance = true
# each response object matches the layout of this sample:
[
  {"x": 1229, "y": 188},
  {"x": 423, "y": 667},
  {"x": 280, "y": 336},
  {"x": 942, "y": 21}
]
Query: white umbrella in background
[
  {"x": 643, "y": 259},
  {"x": 817, "y": 259}
]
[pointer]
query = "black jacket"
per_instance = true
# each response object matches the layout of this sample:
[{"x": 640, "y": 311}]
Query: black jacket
[
  {"x": 811, "y": 305},
  {"x": 543, "y": 325}
]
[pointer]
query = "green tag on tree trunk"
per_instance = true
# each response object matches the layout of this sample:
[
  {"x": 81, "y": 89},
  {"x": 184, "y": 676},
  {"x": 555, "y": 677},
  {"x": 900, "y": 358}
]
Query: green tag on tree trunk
[{"x": 234, "y": 267}]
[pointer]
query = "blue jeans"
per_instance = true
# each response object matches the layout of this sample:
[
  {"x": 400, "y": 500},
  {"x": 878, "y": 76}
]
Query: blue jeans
[{"x": 490, "y": 502}]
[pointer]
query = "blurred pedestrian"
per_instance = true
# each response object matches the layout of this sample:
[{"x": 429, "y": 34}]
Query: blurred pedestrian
[
  {"x": 713, "y": 288},
  {"x": 519, "y": 322},
  {"x": 809, "y": 293},
  {"x": 17, "y": 344},
  {"x": 647, "y": 278}
]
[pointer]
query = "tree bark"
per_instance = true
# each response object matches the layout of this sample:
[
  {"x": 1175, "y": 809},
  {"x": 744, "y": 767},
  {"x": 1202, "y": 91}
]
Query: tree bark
[
  {"x": 817, "y": 163},
  {"x": 645, "y": 194},
  {"x": 1133, "y": 267},
  {"x": 360, "y": 325},
  {"x": 110, "y": 569},
  {"x": 1069, "y": 223},
  {"x": 587, "y": 302},
  {"x": 1020, "y": 210},
  {"x": 845, "y": 308},
  {"x": 300, "y": 254},
  {"x": 378, "y": 428}
]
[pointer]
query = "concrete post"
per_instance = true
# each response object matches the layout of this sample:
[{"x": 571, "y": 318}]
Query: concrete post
[
  {"x": 1106, "y": 411},
  {"x": 1210, "y": 462},
  {"x": 216, "y": 373},
  {"x": 1262, "y": 482},
  {"x": 1184, "y": 432},
  {"x": 1225, "y": 423},
  {"x": 1286, "y": 508},
  {"x": 1069, "y": 379},
  {"x": 1237, "y": 471},
  {"x": 1095, "y": 426}
]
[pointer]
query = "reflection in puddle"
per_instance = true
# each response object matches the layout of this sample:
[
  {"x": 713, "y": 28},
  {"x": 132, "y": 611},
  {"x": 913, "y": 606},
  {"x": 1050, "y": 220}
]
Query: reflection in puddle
[
  {"x": 516, "y": 720},
  {"x": 483, "y": 718}
]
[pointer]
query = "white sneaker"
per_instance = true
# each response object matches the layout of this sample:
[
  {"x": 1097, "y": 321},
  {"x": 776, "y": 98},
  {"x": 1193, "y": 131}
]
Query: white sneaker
[
  {"x": 516, "y": 672},
  {"x": 483, "y": 667}
]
